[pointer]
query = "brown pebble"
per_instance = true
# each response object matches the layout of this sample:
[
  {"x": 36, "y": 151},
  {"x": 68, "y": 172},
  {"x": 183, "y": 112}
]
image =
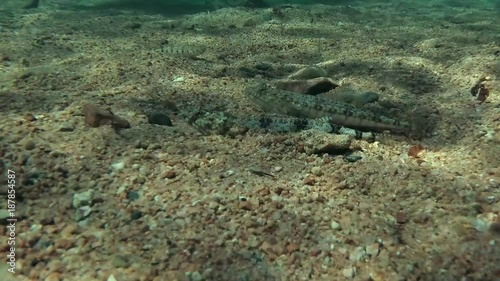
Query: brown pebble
[
  {"x": 95, "y": 117},
  {"x": 47, "y": 221},
  {"x": 309, "y": 180},
  {"x": 495, "y": 227},
  {"x": 69, "y": 230},
  {"x": 170, "y": 174},
  {"x": 54, "y": 276},
  {"x": 245, "y": 205},
  {"x": 29, "y": 145},
  {"x": 291, "y": 259},
  {"x": 266, "y": 247},
  {"x": 401, "y": 217},
  {"x": 29, "y": 117},
  {"x": 292, "y": 247},
  {"x": 63, "y": 244}
]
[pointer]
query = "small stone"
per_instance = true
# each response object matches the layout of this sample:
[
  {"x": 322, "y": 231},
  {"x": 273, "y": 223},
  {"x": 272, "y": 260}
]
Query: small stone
[
  {"x": 54, "y": 276},
  {"x": 373, "y": 250},
  {"x": 82, "y": 213},
  {"x": 245, "y": 205},
  {"x": 357, "y": 254},
  {"x": 317, "y": 171},
  {"x": 95, "y": 117},
  {"x": 195, "y": 276},
  {"x": 170, "y": 174},
  {"x": 179, "y": 79},
  {"x": 159, "y": 118},
  {"x": 47, "y": 221},
  {"x": 111, "y": 278},
  {"x": 335, "y": 225},
  {"x": 319, "y": 142},
  {"x": 69, "y": 230},
  {"x": 133, "y": 195},
  {"x": 401, "y": 217},
  {"x": 66, "y": 127},
  {"x": 353, "y": 158},
  {"x": 135, "y": 215},
  {"x": 30, "y": 117},
  {"x": 119, "y": 261},
  {"x": 118, "y": 166},
  {"x": 83, "y": 198},
  {"x": 309, "y": 180},
  {"x": 349, "y": 272},
  {"x": 495, "y": 228},
  {"x": 213, "y": 205},
  {"x": 29, "y": 144},
  {"x": 253, "y": 242},
  {"x": 292, "y": 247}
]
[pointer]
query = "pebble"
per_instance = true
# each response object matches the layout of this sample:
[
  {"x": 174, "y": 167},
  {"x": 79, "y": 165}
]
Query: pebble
[
  {"x": 29, "y": 117},
  {"x": 353, "y": 158},
  {"x": 316, "y": 142},
  {"x": 170, "y": 174},
  {"x": 119, "y": 261},
  {"x": 335, "y": 225},
  {"x": 195, "y": 276},
  {"x": 373, "y": 249},
  {"x": 82, "y": 213},
  {"x": 292, "y": 247},
  {"x": 95, "y": 117},
  {"x": 29, "y": 144},
  {"x": 317, "y": 171},
  {"x": 159, "y": 118},
  {"x": 118, "y": 166},
  {"x": 401, "y": 217},
  {"x": 357, "y": 254},
  {"x": 66, "y": 127},
  {"x": 349, "y": 272},
  {"x": 83, "y": 198}
]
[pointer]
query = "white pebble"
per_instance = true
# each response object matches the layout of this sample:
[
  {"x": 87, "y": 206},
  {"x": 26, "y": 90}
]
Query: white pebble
[
  {"x": 118, "y": 166},
  {"x": 335, "y": 225}
]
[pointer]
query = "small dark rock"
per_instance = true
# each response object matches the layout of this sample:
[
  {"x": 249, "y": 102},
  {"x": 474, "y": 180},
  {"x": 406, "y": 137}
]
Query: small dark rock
[
  {"x": 47, "y": 221},
  {"x": 29, "y": 144},
  {"x": 132, "y": 195},
  {"x": 135, "y": 215},
  {"x": 159, "y": 118},
  {"x": 401, "y": 217},
  {"x": 353, "y": 158},
  {"x": 29, "y": 117},
  {"x": 170, "y": 174}
]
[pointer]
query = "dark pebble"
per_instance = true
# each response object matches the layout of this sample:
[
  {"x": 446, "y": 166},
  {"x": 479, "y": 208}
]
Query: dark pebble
[
  {"x": 135, "y": 215},
  {"x": 352, "y": 158},
  {"x": 132, "y": 195},
  {"x": 159, "y": 118}
]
